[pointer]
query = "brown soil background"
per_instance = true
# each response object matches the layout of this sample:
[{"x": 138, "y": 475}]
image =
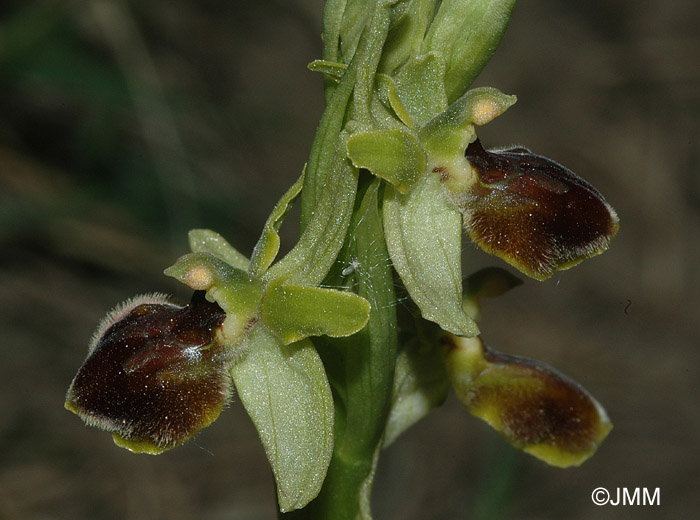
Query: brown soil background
[{"x": 123, "y": 125}]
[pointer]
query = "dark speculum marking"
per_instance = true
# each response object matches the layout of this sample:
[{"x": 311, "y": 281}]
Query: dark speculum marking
[{"x": 557, "y": 411}]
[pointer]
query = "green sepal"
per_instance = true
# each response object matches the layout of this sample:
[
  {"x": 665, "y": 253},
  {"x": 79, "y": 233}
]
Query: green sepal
[
  {"x": 420, "y": 85},
  {"x": 295, "y": 311},
  {"x": 268, "y": 245},
  {"x": 393, "y": 155},
  {"x": 467, "y": 34},
  {"x": 424, "y": 238},
  {"x": 286, "y": 394},
  {"x": 208, "y": 241},
  {"x": 237, "y": 292},
  {"x": 420, "y": 384},
  {"x": 332, "y": 70}
]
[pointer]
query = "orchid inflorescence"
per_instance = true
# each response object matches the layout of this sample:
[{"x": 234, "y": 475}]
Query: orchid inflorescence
[{"x": 328, "y": 367}]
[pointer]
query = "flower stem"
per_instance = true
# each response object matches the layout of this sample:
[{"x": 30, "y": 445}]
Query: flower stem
[{"x": 361, "y": 367}]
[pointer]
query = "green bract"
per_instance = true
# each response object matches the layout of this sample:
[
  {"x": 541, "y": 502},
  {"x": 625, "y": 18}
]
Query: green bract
[
  {"x": 467, "y": 34},
  {"x": 420, "y": 87},
  {"x": 285, "y": 391},
  {"x": 420, "y": 384},
  {"x": 423, "y": 232},
  {"x": 360, "y": 367}
]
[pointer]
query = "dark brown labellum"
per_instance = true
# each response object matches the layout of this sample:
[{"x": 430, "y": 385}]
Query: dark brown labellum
[
  {"x": 536, "y": 408},
  {"x": 155, "y": 374},
  {"x": 534, "y": 213},
  {"x": 550, "y": 408}
]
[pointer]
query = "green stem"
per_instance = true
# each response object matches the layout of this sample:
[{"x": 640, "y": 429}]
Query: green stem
[
  {"x": 358, "y": 78},
  {"x": 360, "y": 368},
  {"x": 325, "y": 145}
]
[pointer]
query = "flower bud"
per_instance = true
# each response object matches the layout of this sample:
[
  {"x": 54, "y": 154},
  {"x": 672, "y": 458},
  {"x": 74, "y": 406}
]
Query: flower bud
[
  {"x": 532, "y": 212},
  {"x": 485, "y": 283},
  {"x": 155, "y": 373},
  {"x": 467, "y": 34},
  {"x": 537, "y": 409}
]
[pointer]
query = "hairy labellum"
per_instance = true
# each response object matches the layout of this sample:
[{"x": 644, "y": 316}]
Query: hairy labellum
[
  {"x": 537, "y": 409},
  {"x": 532, "y": 212},
  {"x": 155, "y": 374}
]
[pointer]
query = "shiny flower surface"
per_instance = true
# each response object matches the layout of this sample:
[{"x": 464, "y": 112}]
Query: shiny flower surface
[
  {"x": 534, "y": 213},
  {"x": 537, "y": 409},
  {"x": 155, "y": 374}
]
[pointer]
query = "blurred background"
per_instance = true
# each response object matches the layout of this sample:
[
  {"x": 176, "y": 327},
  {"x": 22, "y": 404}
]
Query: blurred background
[{"x": 125, "y": 124}]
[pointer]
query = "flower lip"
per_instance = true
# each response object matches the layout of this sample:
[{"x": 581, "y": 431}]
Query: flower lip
[
  {"x": 518, "y": 162},
  {"x": 565, "y": 412},
  {"x": 120, "y": 311},
  {"x": 532, "y": 212},
  {"x": 536, "y": 408},
  {"x": 155, "y": 376}
]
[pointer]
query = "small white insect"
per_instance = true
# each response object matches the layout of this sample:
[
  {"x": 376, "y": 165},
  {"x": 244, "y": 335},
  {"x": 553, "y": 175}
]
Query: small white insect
[{"x": 351, "y": 268}]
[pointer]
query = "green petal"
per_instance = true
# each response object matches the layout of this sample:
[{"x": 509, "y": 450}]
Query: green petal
[
  {"x": 393, "y": 155},
  {"x": 386, "y": 92},
  {"x": 447, "y": 135},
  {"x": 423, "y": 234},
  {"x": 285, "y": 391},
  {"x": 294, "y": 311},
  {"x": 269, "y": 243}
]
